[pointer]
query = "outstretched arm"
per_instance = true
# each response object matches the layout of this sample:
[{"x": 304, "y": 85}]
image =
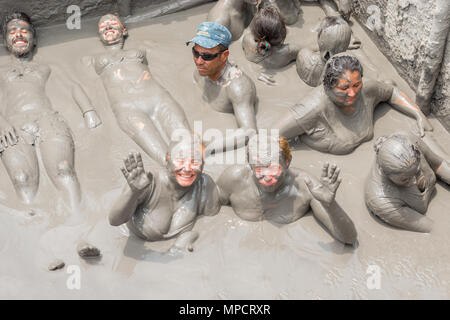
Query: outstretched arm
[
  {"x": 439, "y": 165},
  {"x": 210, "y": 204},
  {"x": 325, "y": 207},
  {"x": 91, "y": 118},
  {"x": 133, "y": 194},
  {"x": 401, "y": 102}
]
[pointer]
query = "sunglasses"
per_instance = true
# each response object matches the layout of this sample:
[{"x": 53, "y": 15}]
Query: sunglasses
[{"x": 206, "y": 56}]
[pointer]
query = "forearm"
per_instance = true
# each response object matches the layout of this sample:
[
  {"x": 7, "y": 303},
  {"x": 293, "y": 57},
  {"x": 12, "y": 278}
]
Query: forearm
[
  {"x": 335, "y": 220},
  {"x": 125, "y": 205},
  {"x": 401, "y": 102},
  {"x": 231, "y": 141},
  {"x": 81, "y": 98}
]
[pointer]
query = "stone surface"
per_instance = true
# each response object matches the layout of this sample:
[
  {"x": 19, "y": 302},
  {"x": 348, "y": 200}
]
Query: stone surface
[
  {"x": 56, "y": 265},
  {"x": 86, "y": 250}
]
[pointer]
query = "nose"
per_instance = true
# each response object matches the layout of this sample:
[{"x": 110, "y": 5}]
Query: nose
[
  {"x": 351, "y": 92},
  {"x": 199, "y": 60},
  {"x": 187, "y": 166}
]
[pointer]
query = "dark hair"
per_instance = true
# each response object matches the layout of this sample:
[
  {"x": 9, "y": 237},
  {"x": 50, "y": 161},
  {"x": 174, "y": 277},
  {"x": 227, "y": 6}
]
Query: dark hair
[
  {"x": 222, "y": 47},
  {"x": 334, "y": 36},
  {"x": 338, "y": 65},
  {"x": 268, "y": 27},
  {"x": 19, "y": 16}
]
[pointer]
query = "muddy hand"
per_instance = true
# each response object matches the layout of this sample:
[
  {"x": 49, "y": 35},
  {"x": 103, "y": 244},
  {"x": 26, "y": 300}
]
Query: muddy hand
[
  {"x": 329, "y": 183},
  {"x": 8, "y": 138},
  {"x": 424, "y": 125},
  {"x": 91, "y": 119},
  {"x": 134, "y": 172}
]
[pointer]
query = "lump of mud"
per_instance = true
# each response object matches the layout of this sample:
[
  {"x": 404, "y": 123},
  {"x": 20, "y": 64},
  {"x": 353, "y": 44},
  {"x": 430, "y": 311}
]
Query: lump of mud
[
  {"x": 87, "y": 250},
  {"x": 56, "y": 265}
]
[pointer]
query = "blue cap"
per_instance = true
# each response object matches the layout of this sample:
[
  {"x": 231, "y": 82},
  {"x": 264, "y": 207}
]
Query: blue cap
[{"x": 210, "y": 35}]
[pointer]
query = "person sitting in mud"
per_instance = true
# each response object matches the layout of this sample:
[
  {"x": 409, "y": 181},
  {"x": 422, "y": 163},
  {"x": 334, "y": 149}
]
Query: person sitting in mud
[
  {"x": 144, "y": 110},
  {"x": 403, "y": 180},
  {"x": 28, "y": 119},
  {"x": 165, "y": 204},
  {"x": 334, "y": 37},
  {"x": 263, "y": 41},
  {"x": 224, "y": 86},
  {"x": 266, "y": 188},
  {"x": 337, "y": 116}
]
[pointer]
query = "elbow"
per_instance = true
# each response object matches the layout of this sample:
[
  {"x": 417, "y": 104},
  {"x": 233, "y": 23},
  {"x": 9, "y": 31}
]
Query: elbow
[{"x": 114, "y": 220}]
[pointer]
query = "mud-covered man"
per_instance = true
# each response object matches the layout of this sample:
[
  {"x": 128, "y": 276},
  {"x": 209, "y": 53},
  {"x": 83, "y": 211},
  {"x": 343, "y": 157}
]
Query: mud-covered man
[
  {"x": 27, "y": 119},
  {"x": 224, "y": 86},
  {"x": 267, "y": 189},
  {"x": 165, "y": 204}
]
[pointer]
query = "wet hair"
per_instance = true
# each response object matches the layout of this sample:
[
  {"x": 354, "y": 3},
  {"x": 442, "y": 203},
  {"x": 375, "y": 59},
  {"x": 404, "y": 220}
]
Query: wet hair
[
  {"x": 285, "y": 148},
  {"x": 268, "y": 28},
  {"x": 186, "y": 138},
  {"x": 269, "y": 144},
  {"x": 334, "y": 36},
  {"x": 396, "y": 154},
  {"x": 338, "y": 65},
  {"x": 19, "y": 16}
]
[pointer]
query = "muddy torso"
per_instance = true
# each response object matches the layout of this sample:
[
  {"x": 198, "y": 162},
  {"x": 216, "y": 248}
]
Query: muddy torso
[
  {"x": 216, "y": 93},
  {"x": 24, "y": 88},
  {"x": 163, "y": 215},
  {"x": 327, "y": 129},
  {"x": 127, "y": 79},
  {"x": 286, "y": 205}
]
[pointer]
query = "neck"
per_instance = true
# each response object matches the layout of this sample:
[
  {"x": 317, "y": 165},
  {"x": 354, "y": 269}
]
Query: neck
[
  {"x": 26, "y": 58},
  {"x": 217, "y": 75},
  {"x": 114, "y": 47},
  {"x": 347, "y": 110}
]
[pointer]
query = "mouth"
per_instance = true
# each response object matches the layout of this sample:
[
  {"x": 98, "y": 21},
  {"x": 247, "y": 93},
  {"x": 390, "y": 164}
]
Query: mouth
[
  {"x": 110, "y": 33},
  {"x": 185, "y": 179},
  {"x": 20, "y": 42},
  {"x": 266, "y": 183}
]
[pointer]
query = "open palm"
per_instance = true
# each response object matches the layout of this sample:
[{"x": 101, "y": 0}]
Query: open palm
[
  {"x": 329, "y": 183},
  {"x": 134, "y": 172}
]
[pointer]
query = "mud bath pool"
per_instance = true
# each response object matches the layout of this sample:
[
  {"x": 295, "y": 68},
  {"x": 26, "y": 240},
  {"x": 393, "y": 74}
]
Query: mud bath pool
[{"x": 233, "y": 259}]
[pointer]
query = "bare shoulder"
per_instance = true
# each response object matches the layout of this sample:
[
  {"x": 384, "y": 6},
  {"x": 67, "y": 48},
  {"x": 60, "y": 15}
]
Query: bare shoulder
[
  {"x": 239, "y": 83},
  {"x": 233, "y": 177}
]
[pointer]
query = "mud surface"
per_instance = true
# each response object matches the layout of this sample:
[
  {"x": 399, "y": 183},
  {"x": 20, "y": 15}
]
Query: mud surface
[{"x": 233, "y": 259}]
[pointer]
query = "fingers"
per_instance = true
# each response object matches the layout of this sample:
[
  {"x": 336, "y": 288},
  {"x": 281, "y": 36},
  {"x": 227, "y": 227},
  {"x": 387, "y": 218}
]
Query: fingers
[
  {"x": 331, "y": 171},
  {"x": 132, "y": 162},
  {"x": 125, "y": 172},
  {"x": 139, "y": 162},
  {"x": 325, "y": 170},
  {"x": 335, "y": 175}
]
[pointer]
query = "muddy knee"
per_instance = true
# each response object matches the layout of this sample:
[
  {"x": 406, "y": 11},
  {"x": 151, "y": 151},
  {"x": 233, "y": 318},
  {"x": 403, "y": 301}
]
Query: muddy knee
[
  {"x": 64, "y": 170},
  {"x": 26, "y": 185}
]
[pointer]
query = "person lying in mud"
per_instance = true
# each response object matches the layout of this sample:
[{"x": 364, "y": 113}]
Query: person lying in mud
[
  {"x": 144, "y": 110},
  {"x": 266, "y": 188},
  {"x": 165, "y": 204},
  {"x": 263, "y": 43},
  {"x": 224, "y": 86},
  {"x": 28, "y": 119},
  {"x": 403, "y": 180},
  {"x": 337, "y": 116}
]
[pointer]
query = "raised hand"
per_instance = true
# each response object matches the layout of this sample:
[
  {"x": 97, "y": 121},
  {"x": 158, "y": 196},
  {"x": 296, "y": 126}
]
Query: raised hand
[
  {"x": 8, "y": 137},
  {"x": 329, "y": 182},
  {"x": 134, "y": 172}
]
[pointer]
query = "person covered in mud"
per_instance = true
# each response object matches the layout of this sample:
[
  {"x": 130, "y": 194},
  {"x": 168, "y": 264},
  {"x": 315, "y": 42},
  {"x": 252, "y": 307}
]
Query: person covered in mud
[
  {"x": 333, "y": 37},
  {"x": 263, "y": 41},
  {"x": 144, "y": 110},
  {"x": 235, "y": 15},
  {"x": 337, "y": 116},
  {"x": 28, "y": 120},
  {"x": 224, "y": 86},
  {"x": 403, "y": 180},
  {"x": 164, "y": 204},
  {"x": 266, "y": 188}
]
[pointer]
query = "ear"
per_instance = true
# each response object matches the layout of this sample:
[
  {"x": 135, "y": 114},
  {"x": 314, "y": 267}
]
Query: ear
[
  {"x": 225, "y": 55},
  {"x": 125, "y": 32}
]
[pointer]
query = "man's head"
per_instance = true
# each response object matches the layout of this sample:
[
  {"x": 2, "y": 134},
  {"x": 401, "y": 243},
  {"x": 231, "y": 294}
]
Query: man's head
[
  {"x": 111, "y": 30},
  {"x": 210, "y": 51},
  {"x": 343, "y": 80},
  {"x": 333, "y": 37},
  {"x": 185, "y": 160},
  {"x": 19, "y": 34},
  {"x": 269, "y": 157},
  {"x": 398, "y": 159}
]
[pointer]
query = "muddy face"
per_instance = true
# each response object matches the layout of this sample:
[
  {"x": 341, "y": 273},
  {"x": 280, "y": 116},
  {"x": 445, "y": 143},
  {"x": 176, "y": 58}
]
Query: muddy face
[
  {"x": 185, "y": 163},
  {"x": 19, "y": 38},
  {"x": 347, "y": 89},
  {"x": 111, "y": 30},
  {"x": 209, "y": 68},
  {"x": 405, "y": 179}
]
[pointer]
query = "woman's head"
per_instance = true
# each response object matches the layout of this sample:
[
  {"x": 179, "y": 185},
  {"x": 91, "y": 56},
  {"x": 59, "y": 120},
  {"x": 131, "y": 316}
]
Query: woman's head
[
  {"x": 398, "y": 159},
  {"x": 333, "y": 37},
  {"x": 342, "y": 79},
  {"x": 268, "y": 28}
]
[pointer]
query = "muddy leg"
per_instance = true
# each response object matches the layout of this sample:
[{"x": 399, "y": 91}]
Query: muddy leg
[
  {"x": 184, "y": 242},
  {"x": 22, "y": 166}
]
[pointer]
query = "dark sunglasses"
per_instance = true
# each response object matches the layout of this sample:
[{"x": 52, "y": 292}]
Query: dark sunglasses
[{"x": 206, "y": 56}]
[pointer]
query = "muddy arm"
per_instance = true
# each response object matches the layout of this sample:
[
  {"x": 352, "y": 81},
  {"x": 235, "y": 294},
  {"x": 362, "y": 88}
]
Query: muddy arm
[
  {"x": 210, "y": 197},
  {"x": 401, "y": 102},
  {"x": 439, "y": 165}
]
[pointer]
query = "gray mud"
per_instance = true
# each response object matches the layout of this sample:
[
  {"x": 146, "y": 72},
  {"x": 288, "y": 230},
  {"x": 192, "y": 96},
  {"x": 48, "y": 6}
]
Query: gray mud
[{"x": 233, "y": 259}]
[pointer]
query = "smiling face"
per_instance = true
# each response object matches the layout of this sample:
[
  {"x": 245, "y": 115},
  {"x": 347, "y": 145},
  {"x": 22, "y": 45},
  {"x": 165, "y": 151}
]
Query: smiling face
[
  {"x": 185, "y": 162},
  {"x": 211, "y": 68},
  {"x": 19, "y": 37},
  {"x": 111, "y": 30},
  {"x": 347, "y": 89}
]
